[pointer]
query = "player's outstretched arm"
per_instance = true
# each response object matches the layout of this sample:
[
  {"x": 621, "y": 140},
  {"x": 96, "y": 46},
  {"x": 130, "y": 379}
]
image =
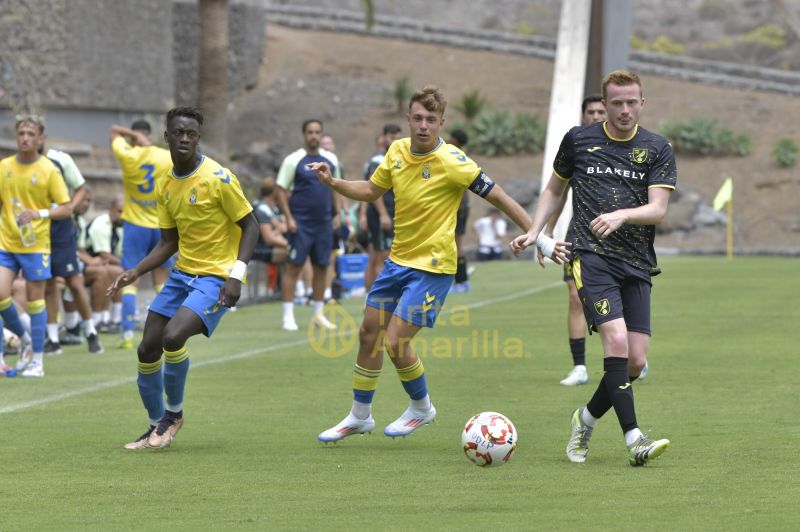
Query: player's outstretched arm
[
  {"x": 548, "y": 202},
  {"x": 231, "y": 290},
  {"x": 165, "y": 248},
  {"x": 357, "y": 190}
]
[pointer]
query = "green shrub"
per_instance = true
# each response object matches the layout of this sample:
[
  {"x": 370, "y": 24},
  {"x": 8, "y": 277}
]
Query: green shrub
[
  {"x": 784, "y": 153},
  {"x": 705, "y": 137},
  {"x": 401, "y": 92},
  {"x": 471, "y": 104},
  {"x": 530, "y": 132},
  {"x": 503, "y": 133},
  {"x": 494, "y": 133},
  {"x": 770, "y": 35}
]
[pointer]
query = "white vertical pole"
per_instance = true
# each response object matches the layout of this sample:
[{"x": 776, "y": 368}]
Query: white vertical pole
[{"x": 569, "y": 75}]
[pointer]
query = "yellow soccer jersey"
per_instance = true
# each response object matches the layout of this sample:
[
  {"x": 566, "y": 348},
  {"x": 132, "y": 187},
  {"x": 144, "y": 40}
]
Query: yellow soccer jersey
[
  {"x": 427, "y": 190},
  {"x": 36, "y": 186},
  {"x": 141, "y": 167},
  {"x": 204, "y": 206}
]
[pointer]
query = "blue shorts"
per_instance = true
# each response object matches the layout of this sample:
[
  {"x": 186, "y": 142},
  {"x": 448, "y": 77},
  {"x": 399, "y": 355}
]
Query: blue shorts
[
  {"x": 35, "y": 266},
  {"x": 413, "y": 295},
  {"x": 137, "y": 242},
  {"x": 64, "y": 261},
  {"x": 198, "y": 293},
  {"x": 315, "y": 241}
]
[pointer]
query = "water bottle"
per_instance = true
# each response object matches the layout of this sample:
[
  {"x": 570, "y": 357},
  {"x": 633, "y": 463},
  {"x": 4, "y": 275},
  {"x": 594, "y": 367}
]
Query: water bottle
[{"x": 26, "y": 232}]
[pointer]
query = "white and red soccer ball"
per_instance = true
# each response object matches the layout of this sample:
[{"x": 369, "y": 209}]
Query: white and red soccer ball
[{"x": 489, "y": 439}]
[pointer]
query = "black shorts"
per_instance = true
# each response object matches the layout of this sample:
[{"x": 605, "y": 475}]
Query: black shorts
[
  {"x": 311, "y": 241},
  {"x": 611, "y": 289},
  {"x": 461, "y": 219},
  {"x": 568, "y": 276},
  {"x": 64, "y": 261},
  {"x": 380, "y": 238}
]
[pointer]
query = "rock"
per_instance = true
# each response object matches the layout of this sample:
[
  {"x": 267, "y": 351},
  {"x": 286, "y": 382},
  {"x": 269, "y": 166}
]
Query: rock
[
  {"x": 524, "y": 190},
  {"x": 680, "y": 216},
  {"x": 707, "y": 216}
]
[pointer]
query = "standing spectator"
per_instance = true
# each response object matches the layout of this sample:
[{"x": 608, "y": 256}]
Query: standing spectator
[
  {"x": 379, "y": 214},
  {"x": 31, "y": 184},
  {"x": 491, "y": 230},
  {"x": 64, "y": 264},
  {"x": 311, "y": 213},
  {"x": 142, "y": 165},
  {"x": 459, "y": 139}
]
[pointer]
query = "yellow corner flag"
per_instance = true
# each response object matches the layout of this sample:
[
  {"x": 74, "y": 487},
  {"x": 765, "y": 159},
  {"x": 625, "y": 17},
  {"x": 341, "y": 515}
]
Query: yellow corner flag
[{"x": 724, "y": 195}]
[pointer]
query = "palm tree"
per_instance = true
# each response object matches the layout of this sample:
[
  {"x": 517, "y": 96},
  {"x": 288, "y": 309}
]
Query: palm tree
[{"x": 213, "y": 75}]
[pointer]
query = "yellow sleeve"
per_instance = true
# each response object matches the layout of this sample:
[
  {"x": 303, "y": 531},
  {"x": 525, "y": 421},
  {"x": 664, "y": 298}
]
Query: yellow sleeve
[
  {"x": 232, "y": 198},
  {"x": 127, "y": 155},
  {"x": 461, "y": 168},
  {"x": 165, "y": 219}
]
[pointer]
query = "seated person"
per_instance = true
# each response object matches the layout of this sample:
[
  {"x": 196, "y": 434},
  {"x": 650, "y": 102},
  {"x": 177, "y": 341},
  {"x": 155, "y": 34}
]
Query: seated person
[
  {"x": 100, "y": 249},
  {"x": 272, "y": 246}
]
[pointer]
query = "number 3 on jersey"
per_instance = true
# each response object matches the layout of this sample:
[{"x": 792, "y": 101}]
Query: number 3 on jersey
[{"x": 148, "y": 187}]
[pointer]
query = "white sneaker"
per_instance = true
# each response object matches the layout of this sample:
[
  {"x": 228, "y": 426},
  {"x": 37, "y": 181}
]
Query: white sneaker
[
  {"x": 289, "y": 324},
  {"x": 575, "y": 377},
  {"x": 410, "y": 421},
  {"x": 645, "y": 371},
  {"x": 25, "y": 353},
  {"x": 321, "y": 321},
  {"x": 34, "y": 369},
  {"x": 347, "y": 427}
]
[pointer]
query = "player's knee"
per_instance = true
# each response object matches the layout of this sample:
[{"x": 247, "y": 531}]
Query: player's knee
[
  {"x": 173, "y": 339},
  {"x": 617, "y": 342},
  {"x": 636, "y": 365},
  {"x": 148, "y": 354}
]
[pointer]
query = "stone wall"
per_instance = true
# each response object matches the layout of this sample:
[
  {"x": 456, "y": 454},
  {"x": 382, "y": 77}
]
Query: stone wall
[
  {"x": 137, "y": 55},
  {"x": 74, "y": 53}
]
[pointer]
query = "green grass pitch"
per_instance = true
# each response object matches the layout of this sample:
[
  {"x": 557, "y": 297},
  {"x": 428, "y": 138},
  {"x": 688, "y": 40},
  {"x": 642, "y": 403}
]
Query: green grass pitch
[{"x": 723, "y": 386}]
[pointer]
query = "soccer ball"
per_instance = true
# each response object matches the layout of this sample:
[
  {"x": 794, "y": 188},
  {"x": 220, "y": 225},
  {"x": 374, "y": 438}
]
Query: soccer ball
[{"x": 489, "y": 439}]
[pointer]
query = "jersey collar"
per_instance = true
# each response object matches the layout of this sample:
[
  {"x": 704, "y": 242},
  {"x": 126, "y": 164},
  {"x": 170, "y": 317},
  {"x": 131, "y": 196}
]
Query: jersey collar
[
  {"x": 176, "y": 176},
  {"x": 635, "y": 130},
  {"x": 422, "y": 154}
]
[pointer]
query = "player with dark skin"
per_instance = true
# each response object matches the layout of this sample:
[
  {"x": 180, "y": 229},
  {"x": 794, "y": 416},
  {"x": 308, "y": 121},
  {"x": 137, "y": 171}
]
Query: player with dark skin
[{"x": 182, "y": 136}]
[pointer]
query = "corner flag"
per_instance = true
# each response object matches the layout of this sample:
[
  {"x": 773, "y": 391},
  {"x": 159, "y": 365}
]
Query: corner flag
[{"x": 724, "y": 195}]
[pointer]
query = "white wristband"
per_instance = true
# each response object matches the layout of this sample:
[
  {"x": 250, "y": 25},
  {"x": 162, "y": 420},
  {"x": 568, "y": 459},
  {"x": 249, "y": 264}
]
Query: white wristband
[
  {"x": 44, "y": 213},
  {"x": 238, "y": 270},
  {"x": 547, "y": 245}
]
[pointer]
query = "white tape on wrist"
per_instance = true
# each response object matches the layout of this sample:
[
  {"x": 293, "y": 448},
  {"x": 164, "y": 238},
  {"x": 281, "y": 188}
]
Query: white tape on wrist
[
  {"x": 547, "y": 245},
  {"x": 44, "y": 213},
  {"x": 238, "y": 270}
]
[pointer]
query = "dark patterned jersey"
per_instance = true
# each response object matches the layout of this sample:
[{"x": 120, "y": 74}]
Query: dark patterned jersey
[{"x": 607, "y": 175}]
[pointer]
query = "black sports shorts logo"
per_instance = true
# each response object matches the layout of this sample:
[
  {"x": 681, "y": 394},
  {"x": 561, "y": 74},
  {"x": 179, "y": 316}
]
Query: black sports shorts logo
[{"x": 602, "y": 307}]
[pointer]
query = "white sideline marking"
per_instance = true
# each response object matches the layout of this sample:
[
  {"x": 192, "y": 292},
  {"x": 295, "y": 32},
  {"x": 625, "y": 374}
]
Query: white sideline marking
[{"x": 10, "y": 409}]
